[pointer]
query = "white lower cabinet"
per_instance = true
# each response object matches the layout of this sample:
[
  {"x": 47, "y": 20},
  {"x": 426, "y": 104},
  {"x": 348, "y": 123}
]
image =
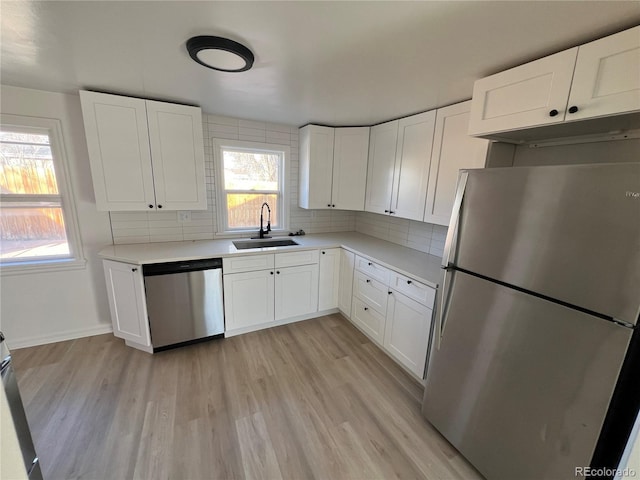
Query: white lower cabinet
[
  {"x": 248, "y": 299},
  {"x": 407, "y": 328},
  {"x": 329, "y": 279},
  {"x": 347, "y": 263},
  {"x": 395, "y": 311},
  {"x": 369, "y": 320},
  {"x": 296, "y": 291},
  {"x": 265, "y": 290},
  {"x": 125, "y": 290}
]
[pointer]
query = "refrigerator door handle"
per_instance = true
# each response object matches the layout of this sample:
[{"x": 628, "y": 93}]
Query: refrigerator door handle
[
  {"x": 452, "y": 233},
  {"x": 449, "y": 247}
]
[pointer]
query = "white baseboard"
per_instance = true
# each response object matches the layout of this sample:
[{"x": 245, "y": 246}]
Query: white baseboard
[{"x": 24, "y": 342}]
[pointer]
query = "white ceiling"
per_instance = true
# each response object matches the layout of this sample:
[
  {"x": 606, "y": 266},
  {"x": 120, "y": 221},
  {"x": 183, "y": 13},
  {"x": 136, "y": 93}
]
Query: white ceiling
[{"x": 336, "y": 63}]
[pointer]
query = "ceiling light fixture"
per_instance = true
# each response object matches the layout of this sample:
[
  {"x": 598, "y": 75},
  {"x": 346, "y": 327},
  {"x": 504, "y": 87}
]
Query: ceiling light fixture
[{"x": 220, "y": 53}]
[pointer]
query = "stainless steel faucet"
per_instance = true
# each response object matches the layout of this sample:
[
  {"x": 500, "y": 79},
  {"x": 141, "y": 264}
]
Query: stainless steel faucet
[{"x": 263, "y": 231}]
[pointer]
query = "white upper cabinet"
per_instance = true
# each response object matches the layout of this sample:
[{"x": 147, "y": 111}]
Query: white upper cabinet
[
  {"x": 413, "y": 161},
  {"x": 607, "y": 76},
  {"x": 453, "y": 149},
  {"x": 177, "y": 153},
  {"x": 597, "y": 80},
  {"x": 316, "y": 166},
  {"x": 333, "y": 164},
  {"x": 399, "y": 161},
  {"x": 144, "y": 155},
  {"x": 382, "y": 159},
  {"x": 350, "y": 150},
  {"x": 532, "y": 94}
]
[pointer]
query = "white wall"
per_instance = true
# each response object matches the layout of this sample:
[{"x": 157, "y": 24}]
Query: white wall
[
  {"x": 143, "y": 227},
  {"x": 39, "y": 308}
]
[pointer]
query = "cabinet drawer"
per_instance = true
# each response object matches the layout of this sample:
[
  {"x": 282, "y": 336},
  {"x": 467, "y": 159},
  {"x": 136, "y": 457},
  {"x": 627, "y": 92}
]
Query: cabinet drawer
[
  {"x": 372, "y": 269},
  {"x": 247, "y": 263},
  {"x": 371, "y": 291},
  {"x": 412, "y": 289},
  {"x": 291, "y": 259},
  {"x": 370, "y": 321}
]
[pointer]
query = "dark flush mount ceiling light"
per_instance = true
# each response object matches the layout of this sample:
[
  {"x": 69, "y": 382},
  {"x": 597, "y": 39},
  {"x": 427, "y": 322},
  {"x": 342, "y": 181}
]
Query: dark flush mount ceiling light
[{"x": 220, "y": 53}]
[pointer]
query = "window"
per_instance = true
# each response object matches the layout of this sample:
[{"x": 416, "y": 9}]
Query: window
[
  {"x": 250, "y": 174},
  {"x": 37, "y": 219}
]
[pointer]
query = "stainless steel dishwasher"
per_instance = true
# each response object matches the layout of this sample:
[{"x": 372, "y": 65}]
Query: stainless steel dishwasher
[{"x": 184, "y": 302}]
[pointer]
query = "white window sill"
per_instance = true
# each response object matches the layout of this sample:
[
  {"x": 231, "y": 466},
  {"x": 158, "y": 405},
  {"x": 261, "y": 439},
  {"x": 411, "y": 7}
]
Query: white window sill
[{"x": 42, "y": 266}]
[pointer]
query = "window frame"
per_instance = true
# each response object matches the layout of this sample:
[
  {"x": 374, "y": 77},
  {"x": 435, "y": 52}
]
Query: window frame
[
  {"x": 75, "y": 260},
  {"x": 222, "y": 227}
]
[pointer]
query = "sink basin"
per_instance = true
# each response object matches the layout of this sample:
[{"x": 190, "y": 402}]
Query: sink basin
[{"x": 264, "y": 242}]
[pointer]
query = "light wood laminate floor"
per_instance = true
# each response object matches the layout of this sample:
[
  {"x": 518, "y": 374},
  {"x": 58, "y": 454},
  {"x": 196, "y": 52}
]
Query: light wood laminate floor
[{"x": 314, "y": 399}]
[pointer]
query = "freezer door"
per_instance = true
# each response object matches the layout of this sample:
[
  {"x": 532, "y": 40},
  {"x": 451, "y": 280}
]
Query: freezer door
[
  {"x": 518, "y": 384},
  {"x": 569, "y": 232}
]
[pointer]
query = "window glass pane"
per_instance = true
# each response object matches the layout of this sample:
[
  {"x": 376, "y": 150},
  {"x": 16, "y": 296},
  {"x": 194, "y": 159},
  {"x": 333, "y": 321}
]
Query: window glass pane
[
  {"x": 251, "y": 170},
  {"x": 32, "y": 232},
  {"x": 26, "y": 164},
  {"x": 243, "y": 210}
]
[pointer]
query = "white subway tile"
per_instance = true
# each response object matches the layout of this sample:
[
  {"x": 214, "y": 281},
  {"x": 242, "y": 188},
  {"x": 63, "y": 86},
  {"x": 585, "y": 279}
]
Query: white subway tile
[{"x": 252, "y": 124}]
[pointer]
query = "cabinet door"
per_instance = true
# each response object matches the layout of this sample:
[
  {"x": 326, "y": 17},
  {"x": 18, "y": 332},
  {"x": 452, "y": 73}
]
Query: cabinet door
[
  {"x": 177, "y": 152},
  {"x": 407, "y": 332},
  {"x": 118, "y": 145},
  {"x": 413, "y": 161},
  {"x": 248, "y": 299},
  {"x": 453, "y": 149},
  {"x": 607, "y": 76},
  {"x": 125, "y": 290},
  {"x": 523, "y": 96},
  {"x": 350, "y": 150},
  {"x": 296, "y": 291},
  {"x": 329, "y": 279},
  {"x": 369, "y": 320},
  {"x": 382, "y": 158},
  {"x": 316, "y": 166},
  {"x": 347, "y": 263}
]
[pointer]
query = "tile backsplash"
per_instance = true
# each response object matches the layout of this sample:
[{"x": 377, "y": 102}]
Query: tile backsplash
[
  {"x": 425, "y": 237},
  {"x": 145, "y": 227}
]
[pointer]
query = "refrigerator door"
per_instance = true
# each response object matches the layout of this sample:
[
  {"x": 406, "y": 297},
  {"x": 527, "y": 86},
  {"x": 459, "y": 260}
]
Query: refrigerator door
[
  {"x": 518, "y": 384},
  {"x": 569, "y": 232}
]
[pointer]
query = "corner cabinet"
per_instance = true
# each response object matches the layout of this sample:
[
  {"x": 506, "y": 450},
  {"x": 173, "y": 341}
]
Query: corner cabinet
[
  {"x": 127, "y": 304},
  {"x": 597, "y": 79},
  {"x": 144, "y": 154},
  {"x": 453, "y": 149},
  {"x": 332, "y": 162},
  {"x": 399, "y": 164},
  {"x": 329, "y": 279}
]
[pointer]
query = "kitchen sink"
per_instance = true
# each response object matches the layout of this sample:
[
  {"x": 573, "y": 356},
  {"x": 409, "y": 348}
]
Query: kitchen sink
[{"x": 264, "y": 242}]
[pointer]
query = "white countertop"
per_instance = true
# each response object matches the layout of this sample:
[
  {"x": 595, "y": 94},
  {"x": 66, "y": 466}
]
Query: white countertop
[{"x": 420, "y": 266}]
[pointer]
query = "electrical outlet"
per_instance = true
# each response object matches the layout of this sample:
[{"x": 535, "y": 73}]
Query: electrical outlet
[{"x": 184, "y": 216}]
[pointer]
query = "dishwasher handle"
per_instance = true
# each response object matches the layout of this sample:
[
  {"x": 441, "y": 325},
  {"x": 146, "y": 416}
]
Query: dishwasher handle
[{"x": 181, "y": 267}]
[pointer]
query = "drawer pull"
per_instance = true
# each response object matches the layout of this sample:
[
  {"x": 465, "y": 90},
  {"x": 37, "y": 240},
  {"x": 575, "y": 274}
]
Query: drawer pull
[
  {"x": 271, "y": 273},
  {"x": 368, "y": 281},
  {"x": 366, "y": 308},
  {"x": 134, "y": 269},
  {"x": 408, "y": 282},
  {"x": 389, "y": 292},
  {"x": 369, "y": 263}
]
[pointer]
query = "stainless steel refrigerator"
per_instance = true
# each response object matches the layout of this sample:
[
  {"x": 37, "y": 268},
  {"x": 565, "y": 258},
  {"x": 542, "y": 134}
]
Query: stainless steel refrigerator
[{"x": 534, "y": 365}]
